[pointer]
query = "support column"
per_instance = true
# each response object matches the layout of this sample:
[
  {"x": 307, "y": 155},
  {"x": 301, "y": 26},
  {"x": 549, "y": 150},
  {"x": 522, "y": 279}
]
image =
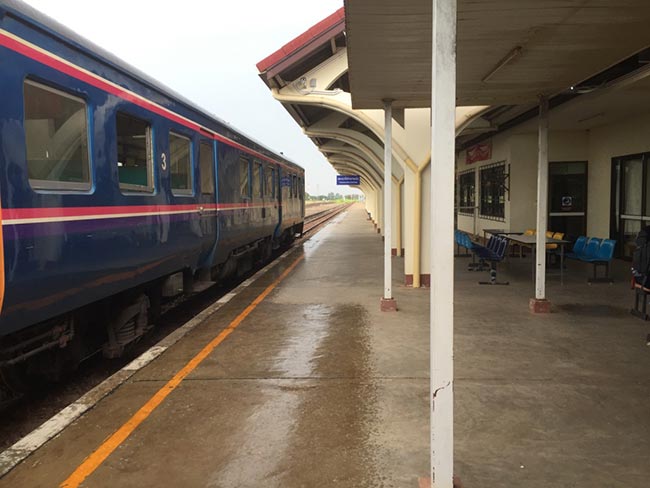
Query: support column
[
  {"x": 540, "y": 304},
  {"x": 398, "y": 218},
  {"x": 443, "y": 111},
  {"x": 388, "y": 303}
]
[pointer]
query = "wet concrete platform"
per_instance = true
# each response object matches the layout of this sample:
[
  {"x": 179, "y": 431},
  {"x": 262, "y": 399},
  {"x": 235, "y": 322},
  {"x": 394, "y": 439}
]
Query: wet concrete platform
[
  {"x": 550, "y": 400},
  {"x": 318, "y": 388},
  {"x": 314, "y": 388}
]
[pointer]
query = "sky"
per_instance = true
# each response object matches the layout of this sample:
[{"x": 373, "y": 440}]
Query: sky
[{"x": 207, "y": 50}]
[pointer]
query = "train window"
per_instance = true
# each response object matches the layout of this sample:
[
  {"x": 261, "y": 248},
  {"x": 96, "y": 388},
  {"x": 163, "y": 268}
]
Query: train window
[
  {"x": 56, "y": 139},
  {"x": 301, "y": 194},
  {"x": 134, "y": 161},
  {"x": 244, "y": 170},
  {"x": 180, "y": 155},
  {"x": 258, "y": 180},
  {"x": 295, "y": 186},
  {"x": 270, "y": 181},
  {"x": 206, "y": 161}
]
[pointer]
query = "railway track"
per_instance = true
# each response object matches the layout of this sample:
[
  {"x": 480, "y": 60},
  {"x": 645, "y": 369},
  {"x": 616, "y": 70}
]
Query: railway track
[
  {"x": 316, "y": 220},
  {"x": 22, "y": 414}
]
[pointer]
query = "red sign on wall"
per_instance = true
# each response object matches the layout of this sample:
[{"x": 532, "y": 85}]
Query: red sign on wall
[{"x": 480, "y": 152}]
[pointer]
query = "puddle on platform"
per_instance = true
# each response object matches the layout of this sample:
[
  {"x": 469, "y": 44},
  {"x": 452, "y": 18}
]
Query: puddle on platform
[
  {"x": 296, "y": 359},
  {"x": 332, "y": 442},
  {"x": 314, "y": 421}
]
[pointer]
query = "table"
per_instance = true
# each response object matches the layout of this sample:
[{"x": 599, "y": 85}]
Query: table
[
  {"x": 531, "y": 241},
  {"x": 499, "y": 232}
]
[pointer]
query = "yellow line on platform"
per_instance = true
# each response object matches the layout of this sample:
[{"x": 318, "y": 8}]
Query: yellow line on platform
[{"x": 92, "y": 462}]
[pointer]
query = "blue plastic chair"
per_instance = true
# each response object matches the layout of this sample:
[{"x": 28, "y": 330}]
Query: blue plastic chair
[
  {"x": 601, "y": 257},
  {"x": 591, "y": 249},
  {"x": 467, "y": 242},
  {"x": 578, "y": 248},
  {"x": 492, "y": 243},
  {"x": 493, "y": 255}
]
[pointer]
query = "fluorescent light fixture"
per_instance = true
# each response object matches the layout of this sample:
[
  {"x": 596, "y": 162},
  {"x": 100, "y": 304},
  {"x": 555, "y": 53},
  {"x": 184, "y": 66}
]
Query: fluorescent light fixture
[
  {"x": 512, "y": 55},
  {"x": 592, "y": 117}
]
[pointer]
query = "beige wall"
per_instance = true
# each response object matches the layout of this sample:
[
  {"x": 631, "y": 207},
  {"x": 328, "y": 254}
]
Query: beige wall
[
  {"x": 605, "y": 143},
  {"x": 597, "y": 146},
  {"x": 563, "y": 147}
]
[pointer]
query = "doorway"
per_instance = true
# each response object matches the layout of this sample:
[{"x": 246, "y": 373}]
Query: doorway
[
  {"x": 567, "y": 192},
  {"x": 630, "y": 200}
]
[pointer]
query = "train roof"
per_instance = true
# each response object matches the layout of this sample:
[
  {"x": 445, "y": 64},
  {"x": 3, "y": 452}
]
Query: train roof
[{"x": 30, "y": 15}]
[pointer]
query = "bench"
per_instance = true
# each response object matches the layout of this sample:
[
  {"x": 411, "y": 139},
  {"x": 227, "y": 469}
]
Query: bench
[
  {"x": 492, "y": 253},
  {"x": 596, "y": 251}
]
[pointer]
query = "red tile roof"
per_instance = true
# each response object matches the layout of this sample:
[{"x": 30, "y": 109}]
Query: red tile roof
[{"x": 302, "y": 40}]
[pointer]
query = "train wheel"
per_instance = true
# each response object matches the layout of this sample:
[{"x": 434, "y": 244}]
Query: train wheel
[{"x": 129, "y": 324}]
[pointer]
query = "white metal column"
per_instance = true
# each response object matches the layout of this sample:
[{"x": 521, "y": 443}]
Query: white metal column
[
  {"x": 388, "y": 198},
  {"x": 542, "y": 198},
  {"x": 443, "y": 110}
]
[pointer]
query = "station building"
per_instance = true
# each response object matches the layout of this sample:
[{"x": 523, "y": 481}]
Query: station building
[{"x": 598, "y": 152}]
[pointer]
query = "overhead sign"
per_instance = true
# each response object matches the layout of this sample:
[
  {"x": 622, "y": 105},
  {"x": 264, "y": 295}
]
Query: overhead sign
[{"x": 348, "y": 180}]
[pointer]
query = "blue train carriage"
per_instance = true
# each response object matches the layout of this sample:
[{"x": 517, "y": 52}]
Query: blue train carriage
[{"x": 116, "y": 193}]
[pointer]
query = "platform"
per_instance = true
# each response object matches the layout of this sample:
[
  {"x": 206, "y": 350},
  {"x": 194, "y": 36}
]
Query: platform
[{"x": 316, "y": 387}]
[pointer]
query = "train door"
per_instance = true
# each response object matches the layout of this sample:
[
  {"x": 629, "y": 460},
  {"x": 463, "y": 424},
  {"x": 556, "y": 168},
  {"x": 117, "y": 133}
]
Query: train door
[{"x": 207, "y": 197}]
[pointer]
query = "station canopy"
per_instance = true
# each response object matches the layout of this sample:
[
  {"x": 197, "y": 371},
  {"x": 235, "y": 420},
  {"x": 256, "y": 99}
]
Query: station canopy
[{"x": 509, "y": 51}]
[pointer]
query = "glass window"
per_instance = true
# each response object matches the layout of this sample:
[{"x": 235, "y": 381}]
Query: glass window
[
  {"x": 258, "y": 180},
  {"x": 180, "y": 151},
  {"x": 633, "y": 178},
  {"x": 244, "y": 171},
  {"x": 56, "y": 138},
  {"x": 300, "y": 192},
  {"x": 467, "y": 192},
  {"x": 206, "y": 162},
  {"x": 493, "y": 186},
  {"x": 134, "y": 162},
  {"x": 270, "y": 181},
  {"x": 295, "y": 186}
]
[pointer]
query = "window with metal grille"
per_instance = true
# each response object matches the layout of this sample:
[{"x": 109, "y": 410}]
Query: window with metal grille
[
  {"x": 467, "y": 192},
  {"x": 493, "y": 191}
]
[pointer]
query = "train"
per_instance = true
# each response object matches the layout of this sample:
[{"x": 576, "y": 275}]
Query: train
[{"x": 116, "y": 194}]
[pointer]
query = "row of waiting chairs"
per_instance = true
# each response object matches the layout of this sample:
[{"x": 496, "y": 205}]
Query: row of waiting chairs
[{"x": 596, "y": 251}]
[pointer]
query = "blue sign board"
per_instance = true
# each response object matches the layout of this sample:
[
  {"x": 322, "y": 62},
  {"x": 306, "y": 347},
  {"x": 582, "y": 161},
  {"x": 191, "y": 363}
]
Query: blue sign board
[{"x": 348, "y": 179}]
